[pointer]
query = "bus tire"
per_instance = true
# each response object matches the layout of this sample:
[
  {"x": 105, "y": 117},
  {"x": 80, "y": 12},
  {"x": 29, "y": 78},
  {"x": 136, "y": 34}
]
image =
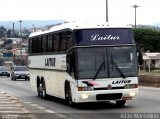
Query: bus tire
[
  {"x": 120, "y": 103},
  {"x": 68, "y": 96},
  {"x": 38, "y": 86},
  {"x": 43, "y": 94},
  {"x": 38, "y": 90}
]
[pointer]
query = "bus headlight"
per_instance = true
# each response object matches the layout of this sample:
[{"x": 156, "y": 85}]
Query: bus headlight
[
  {"x": 132, "y": 94},
  {"x": 127, "y": 86},
  {"x": 88, "y": 88}
]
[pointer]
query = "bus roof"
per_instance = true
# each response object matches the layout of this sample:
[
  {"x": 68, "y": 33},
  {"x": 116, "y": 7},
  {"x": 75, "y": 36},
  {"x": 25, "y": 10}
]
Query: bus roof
[{"x": 79, "y": 25}]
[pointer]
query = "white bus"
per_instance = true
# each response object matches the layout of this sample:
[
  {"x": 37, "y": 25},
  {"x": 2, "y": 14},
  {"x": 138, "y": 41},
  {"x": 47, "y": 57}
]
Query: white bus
[{"x": 84, "y": 62}]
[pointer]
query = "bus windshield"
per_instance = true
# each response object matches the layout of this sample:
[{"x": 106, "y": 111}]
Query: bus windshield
[{"x": 106, "y": 62}]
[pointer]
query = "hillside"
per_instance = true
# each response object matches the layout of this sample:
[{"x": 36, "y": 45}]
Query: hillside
[{"x": 29, "y": 23}]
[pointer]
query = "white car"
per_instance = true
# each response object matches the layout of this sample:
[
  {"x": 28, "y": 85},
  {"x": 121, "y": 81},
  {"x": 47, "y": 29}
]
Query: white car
[{"x": 20, "y": 72}]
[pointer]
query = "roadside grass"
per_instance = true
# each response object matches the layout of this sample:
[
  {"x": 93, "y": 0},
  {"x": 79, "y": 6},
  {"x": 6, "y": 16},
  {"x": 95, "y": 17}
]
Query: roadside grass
[{"x": 153, "y": 72}]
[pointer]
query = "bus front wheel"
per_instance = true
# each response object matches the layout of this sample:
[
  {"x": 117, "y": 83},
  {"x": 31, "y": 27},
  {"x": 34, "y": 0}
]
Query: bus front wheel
[{"x": 68, "y": 96}]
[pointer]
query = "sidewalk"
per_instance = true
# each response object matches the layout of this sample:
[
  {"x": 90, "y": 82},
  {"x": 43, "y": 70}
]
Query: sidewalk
[{"x": 10, "y": 108}]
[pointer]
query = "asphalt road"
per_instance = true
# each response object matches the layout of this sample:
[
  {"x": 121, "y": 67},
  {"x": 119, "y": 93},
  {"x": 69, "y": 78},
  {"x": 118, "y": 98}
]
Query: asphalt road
[{"x": 147, "y": 102}]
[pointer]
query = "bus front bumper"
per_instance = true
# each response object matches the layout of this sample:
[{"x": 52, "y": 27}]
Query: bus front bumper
[{"x": 105, "y": 95}]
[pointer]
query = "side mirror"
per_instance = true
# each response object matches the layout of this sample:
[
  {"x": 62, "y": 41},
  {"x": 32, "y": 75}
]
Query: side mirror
[
  {"x": 68, "y": 64},
  {"x": 69, "y": 33},
  {"x": 140, "y": 58}
]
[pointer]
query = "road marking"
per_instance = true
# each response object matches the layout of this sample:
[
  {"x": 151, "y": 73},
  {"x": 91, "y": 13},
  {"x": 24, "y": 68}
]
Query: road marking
[
  {"x": 11, "y": 105},
  {"x": 26, "y": 111},
  {"x": 40, "y": 107},
  {"x": 34, "y": 105},
  {"x": 22, "y": 112},
  {"x": 4, "y": 99},
  {"x": 13, "y": 98},
  {"x": 7, "y": 105},
  {"x": 155, "y": 108},
  {"x": 11, "y": 108},
  {"x": 5, "y": 102},
  {"x": 22, "y": 100},
  {"x": 50, "y": 111},
  {"x": 28, "y": 102},
  {"x": 19, "y": 105},
  {"x": 61, "y": 115}
]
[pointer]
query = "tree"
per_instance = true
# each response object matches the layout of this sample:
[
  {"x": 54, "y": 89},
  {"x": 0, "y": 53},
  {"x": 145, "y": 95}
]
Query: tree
[
  {"x": 9, "y": 41},
  {"x": 147, "y": 39}
]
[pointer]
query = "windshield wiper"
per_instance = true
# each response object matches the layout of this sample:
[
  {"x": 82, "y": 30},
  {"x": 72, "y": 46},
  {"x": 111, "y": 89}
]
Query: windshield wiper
[
  {"x": 118, "y": 69},
  {"x": 99, "y": 69}
]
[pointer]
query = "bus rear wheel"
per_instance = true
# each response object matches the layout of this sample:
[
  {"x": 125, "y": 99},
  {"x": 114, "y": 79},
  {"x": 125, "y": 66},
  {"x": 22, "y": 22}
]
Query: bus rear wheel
[
  {"x": 39, "y": 89},
  {"x": 42, "y": 90}
]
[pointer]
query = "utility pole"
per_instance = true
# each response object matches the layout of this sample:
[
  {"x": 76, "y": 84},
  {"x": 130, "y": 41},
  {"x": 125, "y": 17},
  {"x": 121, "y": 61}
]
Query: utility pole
[
  {"x": 135, "y": 7},
  {"x": 20, "y": 21},
  {"x": 106, "y": 10}
]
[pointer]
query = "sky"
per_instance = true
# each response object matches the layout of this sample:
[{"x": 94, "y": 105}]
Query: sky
[{"x": 119, "y": 11}]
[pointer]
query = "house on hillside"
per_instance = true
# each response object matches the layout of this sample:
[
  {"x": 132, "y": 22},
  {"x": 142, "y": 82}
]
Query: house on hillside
[{"x": 1, "y": 41}]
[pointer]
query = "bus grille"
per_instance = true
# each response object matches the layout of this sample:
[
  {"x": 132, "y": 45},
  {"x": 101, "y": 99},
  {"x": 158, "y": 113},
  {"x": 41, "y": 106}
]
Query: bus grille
[
  {"x": 113, "y": 88},
  {"x": 114, "y": 96}
]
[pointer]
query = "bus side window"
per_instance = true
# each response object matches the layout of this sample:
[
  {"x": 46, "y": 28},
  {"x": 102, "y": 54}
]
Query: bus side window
[
  {"x": 50, "y": 40},
  {"x": 69, "y": 40},
  {"x": 56, "y": 43},
  {"x": 44, "y": 44},
  {"x": 47, "y": 40},
  {"x": 62, "y": 41}
]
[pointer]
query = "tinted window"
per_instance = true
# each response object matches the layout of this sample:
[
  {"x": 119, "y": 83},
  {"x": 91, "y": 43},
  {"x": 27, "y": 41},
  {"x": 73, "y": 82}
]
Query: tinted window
[
  {"x": 50, "y": 43},
  {"x": 56, "y": 42},
  {"x": 106, "y": 62},
  {"x": 4, "y": 69},
  {"x": 44, "y": 44},
  {"x": 63, "y": 41},
  {"x": 20, "y": 69},
  {"x": 92, "y": 63},
  {"x": 122, "y": 60}
]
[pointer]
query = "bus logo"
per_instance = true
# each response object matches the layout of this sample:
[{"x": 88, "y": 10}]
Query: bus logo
[
  {"x": 50, "y": 62},
  {"x": 97, "y": 37},
  {"x": 109, "y": 87}
]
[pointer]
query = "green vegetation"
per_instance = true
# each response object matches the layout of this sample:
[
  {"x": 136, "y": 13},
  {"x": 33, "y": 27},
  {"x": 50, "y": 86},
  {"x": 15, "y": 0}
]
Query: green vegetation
[
  {"x": 148, "y": 40},
  {"x": 155, "y": 72}
]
